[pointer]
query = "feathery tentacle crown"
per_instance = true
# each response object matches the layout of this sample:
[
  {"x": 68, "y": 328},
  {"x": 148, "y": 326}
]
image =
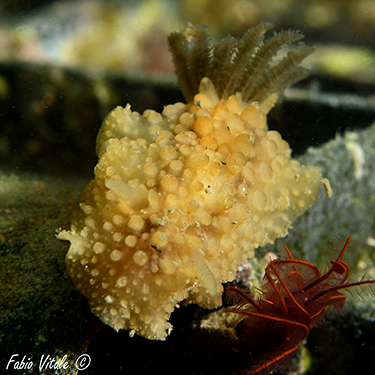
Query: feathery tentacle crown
[{"x": 245, "y": 65}]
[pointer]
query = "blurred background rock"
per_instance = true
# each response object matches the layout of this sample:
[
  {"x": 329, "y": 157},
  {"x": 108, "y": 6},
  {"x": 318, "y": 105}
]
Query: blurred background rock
[
  {"x": 129, "y": 36},
  {"x": 65, "y": 64}
]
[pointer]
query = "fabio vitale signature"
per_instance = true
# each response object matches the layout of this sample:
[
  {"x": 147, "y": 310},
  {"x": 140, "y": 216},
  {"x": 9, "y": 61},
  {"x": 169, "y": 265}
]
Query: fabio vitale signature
[{"x": 47, "y": 362}]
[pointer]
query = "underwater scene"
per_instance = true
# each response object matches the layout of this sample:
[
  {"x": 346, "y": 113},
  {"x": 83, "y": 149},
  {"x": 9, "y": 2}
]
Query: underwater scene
[{"x": 191, "y": 183}]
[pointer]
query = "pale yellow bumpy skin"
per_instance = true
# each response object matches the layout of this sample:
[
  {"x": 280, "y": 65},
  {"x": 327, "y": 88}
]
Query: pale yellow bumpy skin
[{"x": 179, "y": 199}]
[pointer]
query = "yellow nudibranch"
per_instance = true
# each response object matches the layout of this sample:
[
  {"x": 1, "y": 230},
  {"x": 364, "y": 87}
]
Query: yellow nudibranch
[{"x": 180, "y": 198}]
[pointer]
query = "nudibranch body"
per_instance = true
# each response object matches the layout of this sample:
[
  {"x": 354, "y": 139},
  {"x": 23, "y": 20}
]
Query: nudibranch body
[{"x": 180, "y": 198}]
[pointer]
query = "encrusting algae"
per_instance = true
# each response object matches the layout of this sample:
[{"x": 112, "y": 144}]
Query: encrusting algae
[{"x": 180, "y": 198}]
